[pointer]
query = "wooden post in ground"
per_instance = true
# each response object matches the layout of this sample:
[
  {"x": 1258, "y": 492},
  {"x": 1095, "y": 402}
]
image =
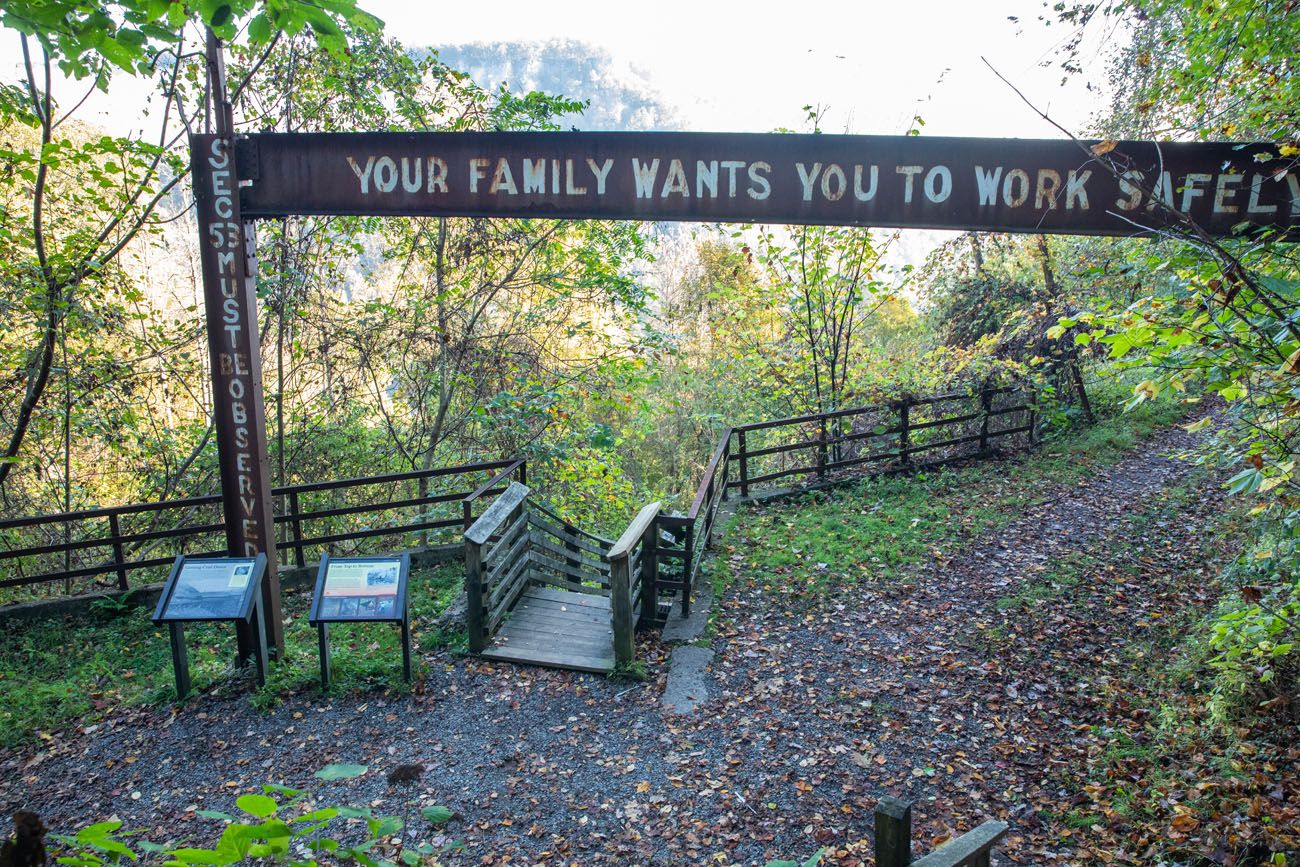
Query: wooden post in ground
[
  {"x": 620, "y": 601},
  {"x": 893, "y": 833},
  {"x": 119, "y": 553},
  {"x": 744, "y": 464},
  {"x": 650, "y": 573},
  {"x": 904, "y": 410},
  {"x": 986, "y": 400},
  {"x": 474, "y": 624},
  {"x": 821, "y": 450}
]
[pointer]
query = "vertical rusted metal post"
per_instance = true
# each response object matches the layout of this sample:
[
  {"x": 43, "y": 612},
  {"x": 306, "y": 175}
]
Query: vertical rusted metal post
[
  {"x": 119, "y": 553},
  {"x": 229, "y": 264}
]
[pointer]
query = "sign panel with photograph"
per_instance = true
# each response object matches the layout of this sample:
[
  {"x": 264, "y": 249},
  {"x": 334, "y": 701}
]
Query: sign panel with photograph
[
  {"x": 360, "y": 588},
  {"x": 219, "y": 588}
]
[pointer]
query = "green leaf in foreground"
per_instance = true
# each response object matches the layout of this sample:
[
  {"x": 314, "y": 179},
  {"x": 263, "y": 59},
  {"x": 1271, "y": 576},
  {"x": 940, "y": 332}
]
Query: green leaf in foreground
[
  {"x": 329, "y": 773},
  {"x": 437, "y": 815}
]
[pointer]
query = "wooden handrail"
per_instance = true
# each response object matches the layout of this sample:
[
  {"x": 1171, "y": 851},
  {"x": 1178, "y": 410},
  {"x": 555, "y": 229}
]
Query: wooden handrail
[
  {"x": 971, "y": 849},
  {"x": 634, "y": 532},
  {"x": 495, "y": 515}
]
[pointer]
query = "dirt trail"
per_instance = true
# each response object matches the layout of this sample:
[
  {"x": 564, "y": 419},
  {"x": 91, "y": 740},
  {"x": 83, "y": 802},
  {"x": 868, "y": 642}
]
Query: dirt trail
[{"x": 940, "y": 693}]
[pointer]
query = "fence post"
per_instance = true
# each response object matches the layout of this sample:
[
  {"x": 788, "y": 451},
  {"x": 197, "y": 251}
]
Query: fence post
[
  {"x": 688, "y": 570},
  {"x": 297, "y": 530},
  {"x": 650, "y": 573},
  {"x": 523, "y": 472},
  {"x": 893, "y": 833},
  {"x": 821, "y": 450},
  {"x": 621, "y": 608},
  {"x": 1033, "y": 414},
  {"x": 904, "y": 407},
  {"x": 474, "y": 624},
  {"x": 119, "y": 554},
  {"x": 744, "y": 464},
  {"x": 986, "y": 400}
]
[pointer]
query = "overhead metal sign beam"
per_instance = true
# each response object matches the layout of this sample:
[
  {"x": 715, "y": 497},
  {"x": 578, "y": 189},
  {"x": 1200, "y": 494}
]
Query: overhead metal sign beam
[{"x": 1003, "y": 185}]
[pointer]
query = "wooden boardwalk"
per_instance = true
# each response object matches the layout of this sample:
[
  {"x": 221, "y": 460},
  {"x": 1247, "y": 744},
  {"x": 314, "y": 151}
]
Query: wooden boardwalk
[{"x": 557, "y": 628}]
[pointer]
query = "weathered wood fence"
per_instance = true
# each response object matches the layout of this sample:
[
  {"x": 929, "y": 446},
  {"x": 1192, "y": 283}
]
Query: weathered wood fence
[
  {"x": 894, "y": 840},
  {"x": 74, "y": 551},
  {"x": 809, "y": 451}
]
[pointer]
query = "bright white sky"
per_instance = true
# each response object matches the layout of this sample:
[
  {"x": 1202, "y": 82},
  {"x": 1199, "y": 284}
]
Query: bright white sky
[{"x": 749, "y": 67}]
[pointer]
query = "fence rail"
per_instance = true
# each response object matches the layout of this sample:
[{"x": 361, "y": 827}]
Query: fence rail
[
  {"x": 425, "y": 506},
  {"x": 827, "y": 447}
]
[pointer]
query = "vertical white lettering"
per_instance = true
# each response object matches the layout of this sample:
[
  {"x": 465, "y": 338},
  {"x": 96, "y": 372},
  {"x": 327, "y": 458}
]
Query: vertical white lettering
[
  {"x": 385, "y": 175},
  {"x": 808, "y": 178},
  {"x": 1015, "y": 178},
  {"x": 730, "y": 167},
  {"x": 1222, "y": 194},
  {"x": 834, "y": 191},
  {"x": 987, "y": 182},
  {"x": 412, "y": 175},
  {"x": 437, "y": 175},
  {"x": 1128, "y": 185},
  {"x": 706, "y": 175},
  {"x": 675, "y": 181},
  {"x": 1076, "y": 189},
  {"x": 1164, "y": 192},
  {"x": 759, "y": 186},
  {"x": 938, "y": 184},
  {"x": 1049, "y": 184},
  {"x": 909, "y": 186},
  {"x": 534, "y": 176},
  {"x": 1190, "y": 189},
  {"x": 477, "y": 172},
  {"x": 600, "y": 173},
  {"x": 1252, "y": 205},
  {"x": 502, "y": 179},
  {"x": 645, "y": 177},
  {"x": 869, "y": 194},
  {"x": 569, "y": 188}
]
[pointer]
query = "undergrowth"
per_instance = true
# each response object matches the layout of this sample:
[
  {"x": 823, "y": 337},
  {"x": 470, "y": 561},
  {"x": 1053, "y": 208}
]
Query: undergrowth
[{"x": 58, "y": 671}]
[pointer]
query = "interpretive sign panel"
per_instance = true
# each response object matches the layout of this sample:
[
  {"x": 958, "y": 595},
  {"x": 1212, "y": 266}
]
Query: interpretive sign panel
[
  {"x": 360, "y": 588},
  {"x": 210, "y": 589},
  {"x": 1002, "y": 185},
  {"x": 201, "y": 590}
]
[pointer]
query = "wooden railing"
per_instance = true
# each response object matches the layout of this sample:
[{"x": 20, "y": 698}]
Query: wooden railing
[
  {"x": 825, "y": 448},
  {"x": 633, "y": 593},
  {"x": 894, "y": 840},
  {"x": 565, "y": 556},
  {"x": 496, "y": 564},
  {"x": 120, "y": 541}
]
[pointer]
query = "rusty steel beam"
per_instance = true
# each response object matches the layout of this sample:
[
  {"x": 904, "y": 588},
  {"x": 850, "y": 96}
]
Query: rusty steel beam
[
  {"x": 229, "y": 264},
  {"x": 1006, "y": 185}
]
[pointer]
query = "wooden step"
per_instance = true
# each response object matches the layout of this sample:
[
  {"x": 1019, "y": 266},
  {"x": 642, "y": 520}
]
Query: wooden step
[{"x": 558, "y": 629}]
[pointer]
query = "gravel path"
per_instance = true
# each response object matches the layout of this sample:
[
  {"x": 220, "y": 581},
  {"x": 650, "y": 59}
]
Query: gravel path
[{"x": 813, "y": 714}]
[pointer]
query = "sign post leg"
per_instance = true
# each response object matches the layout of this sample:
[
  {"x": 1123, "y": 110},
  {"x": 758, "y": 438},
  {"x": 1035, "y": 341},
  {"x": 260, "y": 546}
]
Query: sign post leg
[
  {"x": 180, "y": 660},
  {"x": 406, "y": 651},
  {"x": 262, "y": 655},
  {"x": 323, "y": 638}
]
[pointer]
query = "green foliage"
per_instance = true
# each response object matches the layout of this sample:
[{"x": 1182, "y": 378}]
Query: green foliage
[
  {"x": 286, "y": 823},
  {"x": 813, "y": 861}
]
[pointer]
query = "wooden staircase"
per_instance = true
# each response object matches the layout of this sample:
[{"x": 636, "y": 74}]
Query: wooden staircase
[{"x": 540, "y": 591}]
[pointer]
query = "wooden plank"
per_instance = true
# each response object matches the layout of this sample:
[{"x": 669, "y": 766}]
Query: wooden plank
[
  {"x": 506, "y": 540},
  {"x": 968, "y": 846},
  {"x": 552, "y": 658},
  {"x": 509, "y": 592},
  {"x": 572, "y": 606},
  {"x": 505, "y": 562},
  {"x": 537, "y": 613},
  {"x": 599, "y": 540},
  {"x": 572, "y": 559},
  {"x": 580, "y": 539},
  {"x": 600, "y": 603},
  {"x": 496, "y": 514},
  {"x": 544, "y": 636},
  {"x": 634, "y": 531},
  {"x": 567, "y": 585}
]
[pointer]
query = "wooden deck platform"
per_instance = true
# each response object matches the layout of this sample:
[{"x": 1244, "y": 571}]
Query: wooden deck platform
[{"x": 557, "y": 628}]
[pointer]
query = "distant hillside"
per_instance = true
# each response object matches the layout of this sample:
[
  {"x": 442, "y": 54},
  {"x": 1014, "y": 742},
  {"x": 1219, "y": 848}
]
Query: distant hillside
[{"x": 620, "y": 96}]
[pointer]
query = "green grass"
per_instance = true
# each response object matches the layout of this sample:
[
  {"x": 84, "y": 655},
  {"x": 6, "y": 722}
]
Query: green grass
[
  {"x": 61, "y": 671},
  {"x": 877, "y": 529}
]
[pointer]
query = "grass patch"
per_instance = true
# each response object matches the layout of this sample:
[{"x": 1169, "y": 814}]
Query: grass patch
[
  {"x": 878, "y": 528},
  {"x": 60, "y": 671}
]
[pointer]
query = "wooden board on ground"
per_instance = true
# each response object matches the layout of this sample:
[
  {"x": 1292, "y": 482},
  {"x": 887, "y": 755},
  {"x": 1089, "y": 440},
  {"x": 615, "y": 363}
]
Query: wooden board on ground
[{"x": 556, "y": 628}]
